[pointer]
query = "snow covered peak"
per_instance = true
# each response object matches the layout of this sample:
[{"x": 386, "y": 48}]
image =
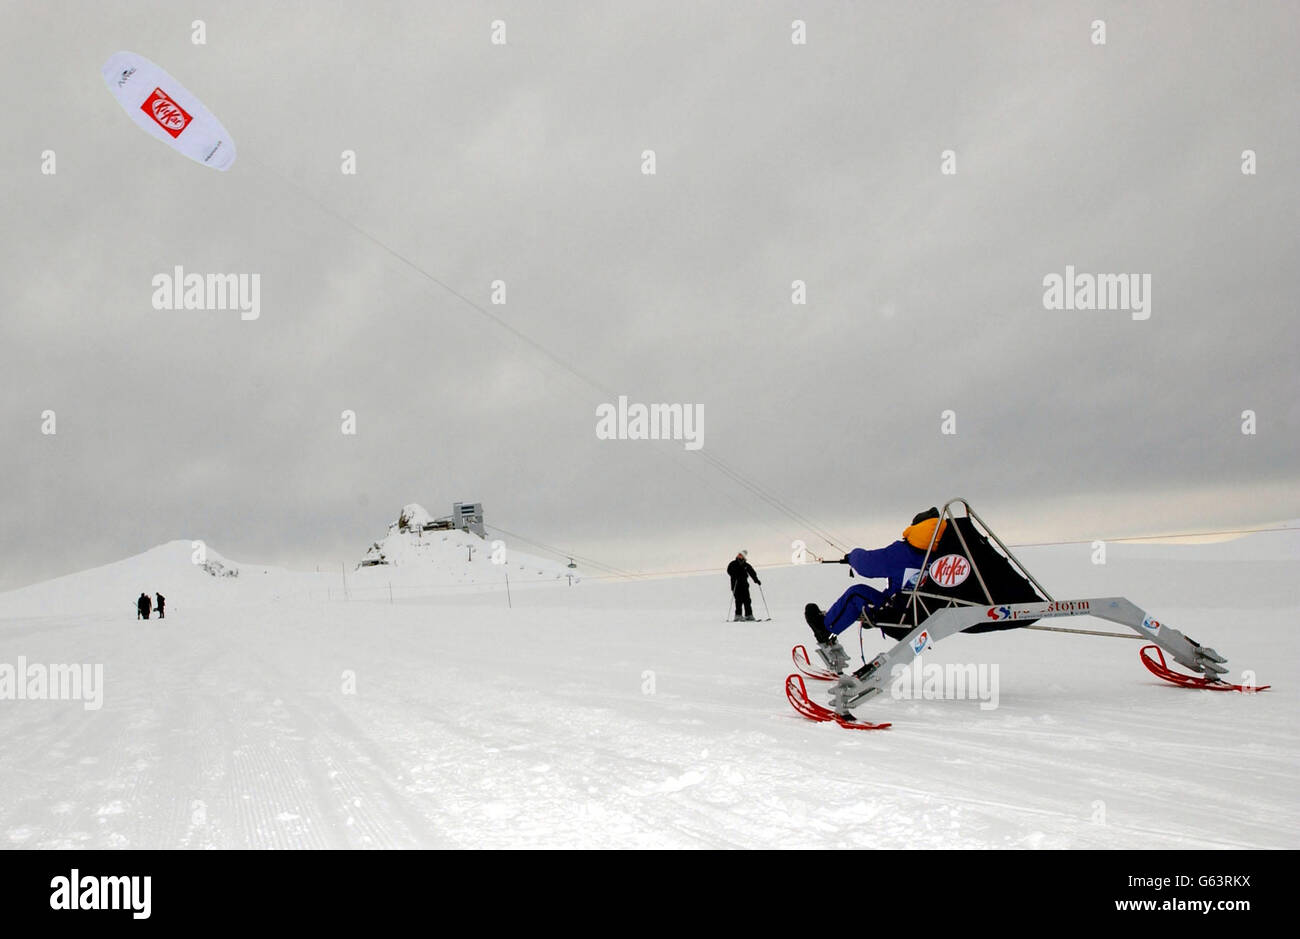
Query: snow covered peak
[
  {"x": 420, "y": 550},
  {"x": 413, "y": 517}
]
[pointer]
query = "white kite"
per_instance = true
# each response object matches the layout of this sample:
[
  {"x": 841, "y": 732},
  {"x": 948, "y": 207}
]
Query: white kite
[{"x": 164, "y": 108}]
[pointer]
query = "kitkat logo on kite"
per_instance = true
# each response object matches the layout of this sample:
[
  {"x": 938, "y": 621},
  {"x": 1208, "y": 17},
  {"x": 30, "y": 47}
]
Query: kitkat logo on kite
[
  {"x": 170, "y": 116},
  {"x": 950, "y": 570}
]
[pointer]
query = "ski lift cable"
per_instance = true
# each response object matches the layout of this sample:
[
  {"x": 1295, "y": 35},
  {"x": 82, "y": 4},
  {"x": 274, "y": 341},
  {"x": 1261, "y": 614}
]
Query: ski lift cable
[
  {"x": 551, "y": 549},
  {"x": 568, "y": 555},
  {"x": 758, "y": 491},
  {"x": 1189, "y": 534}
]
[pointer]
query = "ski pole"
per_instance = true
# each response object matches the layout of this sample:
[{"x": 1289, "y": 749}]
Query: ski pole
[
  {"x": 764, "y": 596},
  {"x": 726, "y": 617}
]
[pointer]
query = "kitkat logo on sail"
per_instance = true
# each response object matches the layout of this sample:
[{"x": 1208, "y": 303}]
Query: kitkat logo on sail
[
  {"x": 950, "y": 570},
  {"x": 170, "y": 116}
]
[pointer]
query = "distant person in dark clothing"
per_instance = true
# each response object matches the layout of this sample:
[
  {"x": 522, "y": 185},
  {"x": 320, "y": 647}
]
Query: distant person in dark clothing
[
  {"x": 161, "y": 605},
  {"x": 143, "y": 606},
  {"x": 740, "y": 572}
]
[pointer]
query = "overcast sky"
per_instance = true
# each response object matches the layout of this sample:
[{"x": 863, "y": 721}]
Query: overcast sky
[{"x": 523, "y": 162}]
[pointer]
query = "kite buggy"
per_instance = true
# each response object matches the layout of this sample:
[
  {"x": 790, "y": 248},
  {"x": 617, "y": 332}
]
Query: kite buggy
[{"x": 965, "y": 579}]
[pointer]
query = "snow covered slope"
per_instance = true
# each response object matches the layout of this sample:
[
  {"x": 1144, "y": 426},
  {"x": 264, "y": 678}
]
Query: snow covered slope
[
  {"x": 417, "y": 563},
  {"x": 187, "y": 580},
  {"x": 630, "y": 714}
]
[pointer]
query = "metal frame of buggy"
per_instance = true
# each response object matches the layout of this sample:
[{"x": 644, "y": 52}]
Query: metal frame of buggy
[{"x": 956, "y": 615}]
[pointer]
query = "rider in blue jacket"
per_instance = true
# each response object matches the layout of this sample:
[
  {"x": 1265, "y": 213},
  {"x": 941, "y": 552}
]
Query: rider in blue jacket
[{"x": 898, "y": 563}]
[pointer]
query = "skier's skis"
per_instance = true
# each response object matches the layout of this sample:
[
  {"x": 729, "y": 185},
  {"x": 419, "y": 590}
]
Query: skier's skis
[
  {"x": 801, "y": 661},
  {"x": 797, "y": 694},
  {"x": 1161, "y": 669}
]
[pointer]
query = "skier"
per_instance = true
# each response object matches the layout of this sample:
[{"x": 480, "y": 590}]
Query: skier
[
  {"x": 899, "y": 562},
  {"x": 160, "y": 605},
  {"x": 740, "y": 571},
  {"x": 142, "y": 606}
]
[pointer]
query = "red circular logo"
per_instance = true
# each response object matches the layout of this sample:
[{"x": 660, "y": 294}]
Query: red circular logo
[
  {"x": 950, "y": 570},
  {"x": 168, "y": 114}
]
